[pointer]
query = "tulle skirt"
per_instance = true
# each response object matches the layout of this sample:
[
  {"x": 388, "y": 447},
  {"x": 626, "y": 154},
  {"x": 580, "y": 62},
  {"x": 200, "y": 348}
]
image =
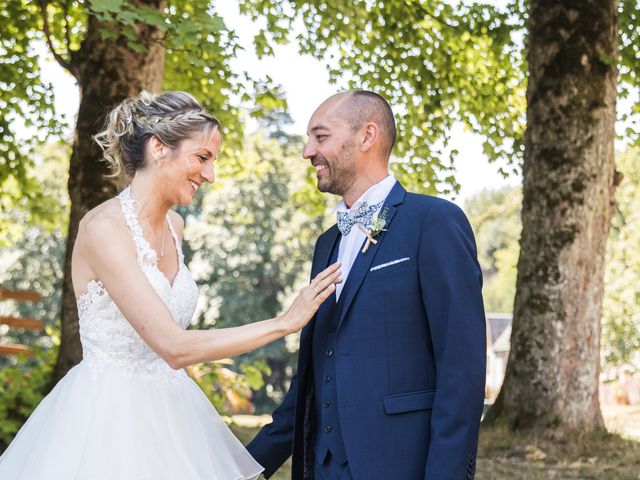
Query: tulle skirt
[{"x": 114, "y": 425}]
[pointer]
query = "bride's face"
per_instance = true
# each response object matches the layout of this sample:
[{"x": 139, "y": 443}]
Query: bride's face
[{"x": 189, "y": 165}]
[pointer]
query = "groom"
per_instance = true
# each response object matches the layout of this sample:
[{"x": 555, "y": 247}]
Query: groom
[{"x": 391, "y": 371}]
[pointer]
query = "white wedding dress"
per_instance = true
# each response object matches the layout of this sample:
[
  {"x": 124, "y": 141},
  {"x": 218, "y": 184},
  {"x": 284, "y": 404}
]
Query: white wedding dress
[{"x": 123, "y": 413}]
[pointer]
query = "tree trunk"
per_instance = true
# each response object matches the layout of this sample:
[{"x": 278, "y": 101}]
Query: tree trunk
[
  {"x": 107, "y": 71},
  {"x": 568, "y": 195}
]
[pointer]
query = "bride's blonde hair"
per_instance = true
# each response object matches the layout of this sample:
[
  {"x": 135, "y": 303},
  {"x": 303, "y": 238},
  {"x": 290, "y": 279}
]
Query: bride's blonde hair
[{"x": 170, "y": 116}]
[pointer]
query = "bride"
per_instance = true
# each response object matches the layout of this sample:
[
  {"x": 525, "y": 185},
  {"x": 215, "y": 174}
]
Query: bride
[{"x": 128, "y": 411}]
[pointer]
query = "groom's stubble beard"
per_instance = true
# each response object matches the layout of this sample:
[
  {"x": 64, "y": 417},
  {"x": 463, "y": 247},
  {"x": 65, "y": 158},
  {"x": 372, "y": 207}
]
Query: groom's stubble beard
[{"x": 342, "y": 171}]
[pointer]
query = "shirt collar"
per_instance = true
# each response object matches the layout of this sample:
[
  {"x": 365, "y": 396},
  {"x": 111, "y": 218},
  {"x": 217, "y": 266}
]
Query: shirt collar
[{"x": 376, "y": 193}]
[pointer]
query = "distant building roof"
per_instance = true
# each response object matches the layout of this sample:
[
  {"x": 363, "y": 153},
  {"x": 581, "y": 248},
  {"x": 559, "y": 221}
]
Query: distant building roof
[{"x": 497, "y": 323}]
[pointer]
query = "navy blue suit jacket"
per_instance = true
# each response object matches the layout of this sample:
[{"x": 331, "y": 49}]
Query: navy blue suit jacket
[{"x": 410, "y": 353}]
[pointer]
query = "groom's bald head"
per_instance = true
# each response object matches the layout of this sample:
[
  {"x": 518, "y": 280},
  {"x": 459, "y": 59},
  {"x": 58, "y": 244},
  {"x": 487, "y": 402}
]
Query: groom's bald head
[{"x": 358, "y": 107}]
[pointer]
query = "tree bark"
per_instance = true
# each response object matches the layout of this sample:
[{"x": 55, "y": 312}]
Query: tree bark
[
  {"x": 107, "y": 72},
  {"x": 552, "y": 375}
]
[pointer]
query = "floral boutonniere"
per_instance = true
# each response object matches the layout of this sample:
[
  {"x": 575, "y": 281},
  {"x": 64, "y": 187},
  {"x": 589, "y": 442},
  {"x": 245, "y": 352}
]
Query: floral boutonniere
[{"x": 378, "y": 222}]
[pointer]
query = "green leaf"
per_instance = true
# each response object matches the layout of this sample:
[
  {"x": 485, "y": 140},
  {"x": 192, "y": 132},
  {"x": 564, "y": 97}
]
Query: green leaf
[
  {"x": 199, "y": 62},
  {"x": 129, "y": 17},
  {"x": 102, "y": 6},
  {"x": 130, "y": 33},
  {"x": 607, "y": 59},
  {"x": 106, "y": 34},
  {"x": 253, "y": 376},
  {"x": 152, "y": 16},
  {"x": 186, "y": 28},
  {"x": 214, "y": 23},
  {"x": 136, "y": 47}
]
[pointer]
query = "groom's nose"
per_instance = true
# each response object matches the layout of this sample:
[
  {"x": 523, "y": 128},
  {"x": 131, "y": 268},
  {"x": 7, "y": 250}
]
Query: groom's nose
[{"x": 309, "y": 150}]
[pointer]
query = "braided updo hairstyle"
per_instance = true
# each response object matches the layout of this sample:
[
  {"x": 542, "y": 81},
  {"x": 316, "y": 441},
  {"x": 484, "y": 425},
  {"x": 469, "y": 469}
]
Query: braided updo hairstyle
[{"x": 170, "y": 116}]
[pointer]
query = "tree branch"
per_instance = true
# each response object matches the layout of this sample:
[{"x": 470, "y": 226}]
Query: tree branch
[
  {"x": 437, "y": 18},
  {"x": 64, "y": 63},
  {"x": 67, "y": 35}
]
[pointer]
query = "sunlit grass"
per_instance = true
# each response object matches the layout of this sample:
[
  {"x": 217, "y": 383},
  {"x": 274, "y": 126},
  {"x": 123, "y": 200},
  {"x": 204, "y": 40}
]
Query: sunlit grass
[{"x": 504, "y": 455}]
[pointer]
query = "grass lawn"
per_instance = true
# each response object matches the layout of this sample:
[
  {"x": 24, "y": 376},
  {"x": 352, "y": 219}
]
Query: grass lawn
[{"x": 505, "y": 456}]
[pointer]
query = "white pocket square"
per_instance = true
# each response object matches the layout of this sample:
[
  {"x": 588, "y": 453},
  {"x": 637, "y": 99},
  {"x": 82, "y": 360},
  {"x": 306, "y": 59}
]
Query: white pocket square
[{"x": 388, "y": 264}]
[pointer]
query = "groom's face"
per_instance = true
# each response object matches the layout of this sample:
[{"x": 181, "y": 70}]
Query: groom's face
[{"x": 331, "y": 148}]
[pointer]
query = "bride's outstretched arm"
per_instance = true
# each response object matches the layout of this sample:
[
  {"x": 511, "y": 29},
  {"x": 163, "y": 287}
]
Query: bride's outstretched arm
[{"x": 107, "y": 247}]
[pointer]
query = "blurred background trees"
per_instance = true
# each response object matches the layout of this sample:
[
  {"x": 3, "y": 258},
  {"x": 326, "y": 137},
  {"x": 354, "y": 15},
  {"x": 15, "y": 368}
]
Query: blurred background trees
[
  {"x": 252, "y": 243},
  {"x": 621, "y": 307},
  {"x": 495, "y": 217}
]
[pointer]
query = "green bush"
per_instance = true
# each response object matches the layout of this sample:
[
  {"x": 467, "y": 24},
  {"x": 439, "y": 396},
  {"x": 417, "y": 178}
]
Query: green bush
[{"x": 23, "y": 386}]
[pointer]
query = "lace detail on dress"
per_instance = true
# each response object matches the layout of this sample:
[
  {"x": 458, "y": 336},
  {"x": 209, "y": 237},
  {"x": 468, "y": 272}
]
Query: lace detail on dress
[
  {"x": 108, "y": 339},
  {"x": 176, "y": 240},
  {"x": 95, "y": 290},
  {"x": 145, "y": 252}
]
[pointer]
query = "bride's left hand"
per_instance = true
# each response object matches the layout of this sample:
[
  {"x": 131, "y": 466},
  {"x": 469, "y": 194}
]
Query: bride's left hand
[{"x": 310, "y": 298}]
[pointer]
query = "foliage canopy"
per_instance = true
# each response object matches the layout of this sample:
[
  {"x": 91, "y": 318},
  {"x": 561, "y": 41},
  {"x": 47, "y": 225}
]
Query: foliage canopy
[{"x": 438, "y": 62}]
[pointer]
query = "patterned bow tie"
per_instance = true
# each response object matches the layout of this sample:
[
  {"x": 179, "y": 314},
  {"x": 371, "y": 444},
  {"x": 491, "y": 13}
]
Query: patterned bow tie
[{"x": 363, "y": 215}]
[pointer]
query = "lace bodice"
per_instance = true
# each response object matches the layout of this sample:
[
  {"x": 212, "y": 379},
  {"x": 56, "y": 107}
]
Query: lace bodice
[{"x": 106, "y": 335}]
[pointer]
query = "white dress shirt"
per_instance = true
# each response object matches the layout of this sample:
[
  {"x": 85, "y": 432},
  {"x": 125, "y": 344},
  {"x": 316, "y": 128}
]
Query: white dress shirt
[{"x": 351, "y": 244}]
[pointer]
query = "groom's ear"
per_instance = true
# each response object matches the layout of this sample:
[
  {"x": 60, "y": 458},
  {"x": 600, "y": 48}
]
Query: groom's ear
[{"x": 370, "y": 135}]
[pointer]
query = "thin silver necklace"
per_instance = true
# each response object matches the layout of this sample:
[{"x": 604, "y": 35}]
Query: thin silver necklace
[{"x": 164, "y": 230}]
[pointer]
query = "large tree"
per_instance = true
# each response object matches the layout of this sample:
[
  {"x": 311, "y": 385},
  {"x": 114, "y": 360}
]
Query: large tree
[
  {"x": 107, "y": 71},
  {"x": 569, "y": 182},
  {"x": 441, "y": 63}
]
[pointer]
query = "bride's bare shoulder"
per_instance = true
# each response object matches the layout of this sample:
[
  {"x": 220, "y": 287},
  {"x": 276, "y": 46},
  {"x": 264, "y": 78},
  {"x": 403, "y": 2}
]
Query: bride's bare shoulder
[
  {"x": 102, "y": 234},
  {"x": 102, "y": 223}
]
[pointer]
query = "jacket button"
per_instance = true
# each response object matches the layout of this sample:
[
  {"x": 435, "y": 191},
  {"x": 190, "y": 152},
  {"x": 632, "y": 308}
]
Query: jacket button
[
  {"x": 327, "y": 428},
  {"x": 329, "y": 352},
  {"x": 332, "y": 328},
  {"x": 327, "y": 379},
  {"x": 327, "y": 403}
]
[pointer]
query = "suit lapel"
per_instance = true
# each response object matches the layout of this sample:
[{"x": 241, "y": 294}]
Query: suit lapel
[
  {"x": 323, "y": 257},
  {"x": 325, "y": 247},
  {"x": 363, "y": 261}
]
